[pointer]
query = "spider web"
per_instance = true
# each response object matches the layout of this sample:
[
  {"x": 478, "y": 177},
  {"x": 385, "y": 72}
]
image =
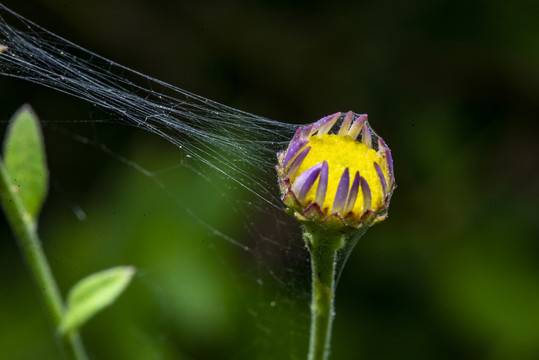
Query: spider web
[{"x": 216, "y": 142}]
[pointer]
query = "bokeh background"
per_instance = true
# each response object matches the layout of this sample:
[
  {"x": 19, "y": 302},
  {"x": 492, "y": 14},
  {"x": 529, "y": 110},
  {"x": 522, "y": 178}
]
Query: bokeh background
[{"x": 452, "y": 274}]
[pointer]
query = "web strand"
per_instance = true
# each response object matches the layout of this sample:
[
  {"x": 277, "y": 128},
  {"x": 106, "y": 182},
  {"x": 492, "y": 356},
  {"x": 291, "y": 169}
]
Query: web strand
[
  {"x": 233, "y": 143},
  {"x": 237, "y": 144}
]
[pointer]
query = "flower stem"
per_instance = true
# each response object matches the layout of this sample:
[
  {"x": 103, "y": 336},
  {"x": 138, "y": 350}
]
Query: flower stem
[
  {"x": 24, "y": 228},
  {"x": 323, "y": 248}
]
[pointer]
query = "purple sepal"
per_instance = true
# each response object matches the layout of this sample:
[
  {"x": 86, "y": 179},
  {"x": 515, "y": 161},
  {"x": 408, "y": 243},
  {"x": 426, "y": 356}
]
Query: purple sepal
[
  {"x": 305, "y": 181},
  {"x": 342, "y": 192},
  {"x": 345, "y": 126},
  {"x": 352, "y": 196},
  {"x": 322, "y": 185},
  {"x": 306, "y": 132},
  {"x": 356, "y": 126},
  {"x": 366, "y": 190},
  {"x": 293, "y": 150},
  {"x": 387, "y": 152},
  {"x": 381, "y": 177},
  {"x": 325, "y": 121},
  {"x": 291, "y": 172},
  {"x": 296, "y": 136},
  {"x": 329, "y": 124},
  {"x": 366, "y": 137}
]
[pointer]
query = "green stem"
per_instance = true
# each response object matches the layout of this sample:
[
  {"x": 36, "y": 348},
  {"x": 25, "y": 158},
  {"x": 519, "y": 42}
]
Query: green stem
[
  {"x": 24, "y": 229},
  {"x": 323, "y": 247}
]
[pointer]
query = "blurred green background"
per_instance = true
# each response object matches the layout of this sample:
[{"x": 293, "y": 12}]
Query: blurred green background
[{"x": 452, "y": 87}]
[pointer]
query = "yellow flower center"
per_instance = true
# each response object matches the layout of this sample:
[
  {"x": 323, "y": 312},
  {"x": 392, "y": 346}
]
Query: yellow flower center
[{"x": 343, "y": 152}]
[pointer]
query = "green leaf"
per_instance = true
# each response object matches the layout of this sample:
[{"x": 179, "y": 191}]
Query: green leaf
[
  {"x": 94, "y": 293},
  {"x": 24, "y": 158}
]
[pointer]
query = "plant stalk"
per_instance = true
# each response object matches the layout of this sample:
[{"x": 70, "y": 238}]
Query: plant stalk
[
  {"x": 323, "y": 248},
  {"x": 24, "y": 229}
]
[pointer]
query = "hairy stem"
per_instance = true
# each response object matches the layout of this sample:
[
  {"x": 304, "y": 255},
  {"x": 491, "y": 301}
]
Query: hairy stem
[
  {"x": 323, "y": 248},
  {"x": 24, "y": 229}
]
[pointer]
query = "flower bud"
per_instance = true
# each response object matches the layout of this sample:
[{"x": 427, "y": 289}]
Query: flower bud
[{"x": 341, "y": 180}]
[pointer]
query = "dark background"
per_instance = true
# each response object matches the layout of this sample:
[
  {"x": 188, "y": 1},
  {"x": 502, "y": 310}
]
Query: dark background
[{"x": 452, "y": 87}]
